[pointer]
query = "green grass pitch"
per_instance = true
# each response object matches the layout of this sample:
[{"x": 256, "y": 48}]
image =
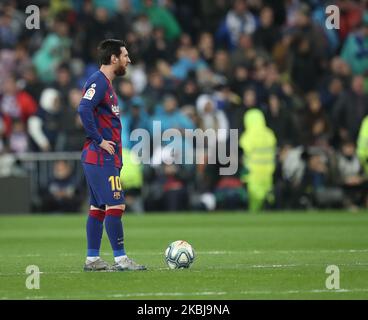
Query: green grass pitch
[{"x": 238, "y": 256}]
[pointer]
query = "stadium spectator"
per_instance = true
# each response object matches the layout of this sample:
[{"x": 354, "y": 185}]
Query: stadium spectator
[
  {"x": 16, "y": 103},
  {"x": 267, "y": 34},
  {"x": 304, "y": 27},
  {"x": 22, "y": 60},
  {"x": 221, "y": 64},
  {"x": 18, "y": 138},
  {"x": 340, "y": 69},
  {"x": 288, "y": 93},
  {"x": 32, "y": 85},
  {"x": 99, "y": 26},
  {"x": 188, "y": 92},
  {"x": 55, "y": 48},
  {"x": 142, "y": 27},
  {"x": 206, "y": 46},
  {"x": 289, "y": 191},
  {"x": 45, "y": 126},
  {"x": 350, "y": 109},
  {"x": 157, "y": 48},
  {"x": 315, "y": 128},
  {"x": 212, "y": 13},
  {"x": 238, "y": 20},
  {"x": 212, "y": 119},
  {"x": 280, "y": 121},
  {"x": 134, "y": 117},
  {"x": 250, "y": 99},
  {"x": 330, "y": 93},
  {"x": 154, "y": 90},
  {"x": 245, "y": 53},
  {"x": 259, "y": 146},
  {"x": 5, "y": 131},
  {"x": 350, "y": 17},
  {"x": 63, "y": 82},
  {"x": 230, "y": 193},
  {"x": 73, "y": 134},
  {"x": 8, "y": 36},
  {"x": 304, "y": 64},
  {"x": 240, "y": 78},
  {"x": 351, "y": 175},
  {"x": 161, "y": 17},
  {"x": 170, "y": 116},
  {"x": 123, "y": 18},
  {"x": 188, "y": 60},
  {"x": 132, "y": 182},
  {"x": 126, "y": 94},
  {"x": 319, "y": 186},
  {"x": 63, "y": 193},
  {"x": 175, "y": 183},
  {"x": 362, "y": 145},
  {"x": 355, "y": 49}
]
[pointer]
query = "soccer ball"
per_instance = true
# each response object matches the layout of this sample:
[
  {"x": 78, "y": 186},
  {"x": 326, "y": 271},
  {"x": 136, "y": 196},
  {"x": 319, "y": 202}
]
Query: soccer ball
[{"x": 179, "y": 254}]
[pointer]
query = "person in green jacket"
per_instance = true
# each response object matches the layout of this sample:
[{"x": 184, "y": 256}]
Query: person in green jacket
[
  {"x": 362, "y": 144},
  {"x": 54, "y": 49},
  {"x": 354, "y": 50},
  {"x": 162, "y": 17},
  {"x": 259, "y": 146},
  {"x": 131, "y": 176}
]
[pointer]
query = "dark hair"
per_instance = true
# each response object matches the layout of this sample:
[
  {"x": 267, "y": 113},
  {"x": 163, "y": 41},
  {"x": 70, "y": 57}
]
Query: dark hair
[{"x": 107, "y": 48}]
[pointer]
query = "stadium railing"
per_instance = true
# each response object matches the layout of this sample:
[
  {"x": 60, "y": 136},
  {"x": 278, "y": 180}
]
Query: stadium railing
[{"x": 39, "y": 169}]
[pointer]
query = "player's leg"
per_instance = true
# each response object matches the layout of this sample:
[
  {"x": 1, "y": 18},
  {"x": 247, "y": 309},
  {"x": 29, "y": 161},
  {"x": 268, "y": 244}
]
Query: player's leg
[
  {"x": 94, "y": 230},
  {"x": 94, "y": 225},
  {"x": 115, "y": 231},
  {"x": 113, "y": 196}
]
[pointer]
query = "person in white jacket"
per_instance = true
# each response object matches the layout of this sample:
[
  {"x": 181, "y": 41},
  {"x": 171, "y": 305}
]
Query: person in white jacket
[
  {"x": 44, "y": 126},
  {"x": 212, "y": 118}
]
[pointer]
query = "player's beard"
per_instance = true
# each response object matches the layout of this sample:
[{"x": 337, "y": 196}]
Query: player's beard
[{"x": 121, "y": 71}]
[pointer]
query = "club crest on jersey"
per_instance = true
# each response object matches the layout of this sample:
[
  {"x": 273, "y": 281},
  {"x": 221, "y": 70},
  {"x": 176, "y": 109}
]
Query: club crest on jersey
[
  {"x": 117, "y": 195},
  {"x": 89, "y": 93},
  {"x": 115, "y": 110}
]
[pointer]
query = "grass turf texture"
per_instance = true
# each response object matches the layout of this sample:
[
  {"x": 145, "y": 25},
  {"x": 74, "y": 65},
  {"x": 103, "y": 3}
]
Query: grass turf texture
[{"x": 239, "y": 256}]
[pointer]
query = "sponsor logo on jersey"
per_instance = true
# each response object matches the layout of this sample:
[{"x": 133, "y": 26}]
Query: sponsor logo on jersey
[{"x": 89, "y": 94}]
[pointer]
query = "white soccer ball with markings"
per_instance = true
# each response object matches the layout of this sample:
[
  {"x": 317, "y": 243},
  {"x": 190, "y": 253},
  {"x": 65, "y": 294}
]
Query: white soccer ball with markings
[{"x": 179, "y": 254}]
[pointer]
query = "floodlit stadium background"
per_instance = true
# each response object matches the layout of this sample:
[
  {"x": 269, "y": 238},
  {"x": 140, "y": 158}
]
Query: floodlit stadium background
[{"x": 196, "y": 64}]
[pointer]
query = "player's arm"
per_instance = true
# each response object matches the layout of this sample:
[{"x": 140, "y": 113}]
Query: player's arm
[{"x": 93, "y": 95}]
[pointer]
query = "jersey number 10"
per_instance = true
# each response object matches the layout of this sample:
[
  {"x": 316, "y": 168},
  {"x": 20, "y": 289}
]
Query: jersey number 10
[{"x": 115, "y": 183}]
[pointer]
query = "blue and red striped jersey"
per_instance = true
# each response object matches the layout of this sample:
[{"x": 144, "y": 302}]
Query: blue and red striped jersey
[{"x": 99, "y": 112}]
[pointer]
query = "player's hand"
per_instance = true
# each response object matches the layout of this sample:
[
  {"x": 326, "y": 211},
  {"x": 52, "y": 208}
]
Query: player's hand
[{"x": 108, "y": 146}]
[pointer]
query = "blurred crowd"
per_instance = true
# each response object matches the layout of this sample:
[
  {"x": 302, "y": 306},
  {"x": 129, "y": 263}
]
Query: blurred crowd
[{"x": 296, "y": 91}]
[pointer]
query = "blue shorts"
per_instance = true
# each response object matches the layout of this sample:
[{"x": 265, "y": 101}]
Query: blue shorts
[{"x": 104, "y": 185}]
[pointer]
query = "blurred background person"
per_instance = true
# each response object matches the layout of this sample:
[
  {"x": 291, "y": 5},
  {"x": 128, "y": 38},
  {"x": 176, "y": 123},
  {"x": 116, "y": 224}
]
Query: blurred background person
[
  {"x": 259, "y": 146},
  {"x": 352, "y": 178},
  {"x": 45, "y": 126},
  {"x": 63, "y": 192},
  {"x": 362, "y": 145},
  {"x": 132, "y": 182}
]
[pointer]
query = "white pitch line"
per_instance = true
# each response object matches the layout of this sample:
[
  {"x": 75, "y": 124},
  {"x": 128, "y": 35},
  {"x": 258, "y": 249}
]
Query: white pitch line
[
  {"x": 235, "y": 266},
  {"x": 172, "y": 294},
  {"x": 207, "y": 293},
  {"x": 214, "y": 252},
  {"x": 221, "y": 293}
]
